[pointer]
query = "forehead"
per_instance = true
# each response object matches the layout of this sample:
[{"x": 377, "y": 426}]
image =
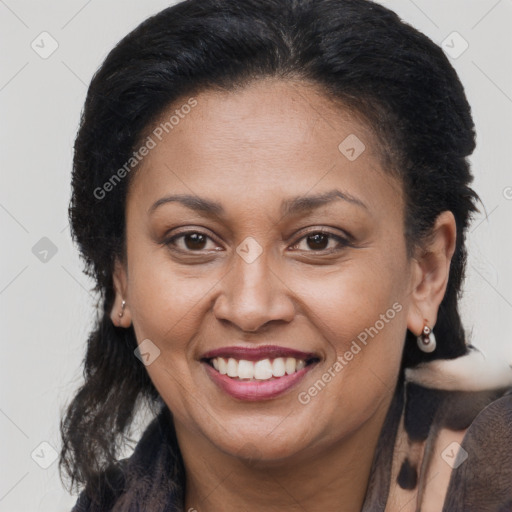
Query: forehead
[{"x": 272, "y": 137}]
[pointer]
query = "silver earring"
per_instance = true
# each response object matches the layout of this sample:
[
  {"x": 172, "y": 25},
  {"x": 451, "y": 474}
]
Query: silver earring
[
  {"x": 123, "y": 304},
  {"x": 427, "y": 340}
]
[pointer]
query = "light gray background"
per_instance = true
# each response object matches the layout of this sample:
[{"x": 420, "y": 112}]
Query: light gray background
[{"x": 46, "y": 307}]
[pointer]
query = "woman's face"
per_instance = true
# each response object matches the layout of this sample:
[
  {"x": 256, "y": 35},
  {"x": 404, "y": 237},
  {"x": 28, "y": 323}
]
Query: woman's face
[{"x": 253, "y": 235}]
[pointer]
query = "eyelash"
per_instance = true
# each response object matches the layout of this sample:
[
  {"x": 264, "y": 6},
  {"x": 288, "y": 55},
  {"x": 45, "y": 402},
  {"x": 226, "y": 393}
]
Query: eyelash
[{"x": 341, "y": 241}]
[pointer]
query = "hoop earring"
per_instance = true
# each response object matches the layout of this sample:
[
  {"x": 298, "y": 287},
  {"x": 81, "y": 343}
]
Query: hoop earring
[
  {"x": 123, "y": 304},
  {"x": 427, "y": 340}
]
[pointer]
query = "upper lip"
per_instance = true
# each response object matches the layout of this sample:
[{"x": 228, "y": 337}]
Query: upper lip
[{"x": 258, "y": 353}]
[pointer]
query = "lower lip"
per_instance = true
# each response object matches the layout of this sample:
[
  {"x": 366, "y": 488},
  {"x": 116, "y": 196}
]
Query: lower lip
[{"x": 254, "y": 390}]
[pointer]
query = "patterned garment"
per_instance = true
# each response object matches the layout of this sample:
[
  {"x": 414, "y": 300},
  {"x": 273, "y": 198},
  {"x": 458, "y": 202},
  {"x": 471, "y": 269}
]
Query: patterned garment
[{"x": 446, "y": 446}]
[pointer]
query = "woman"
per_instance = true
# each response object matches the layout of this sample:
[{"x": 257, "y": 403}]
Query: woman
[{"x": 272, "y": 196}]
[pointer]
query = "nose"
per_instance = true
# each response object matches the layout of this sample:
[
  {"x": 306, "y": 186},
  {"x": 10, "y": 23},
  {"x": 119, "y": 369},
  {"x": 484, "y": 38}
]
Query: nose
[{"x": 253, "y": 295}]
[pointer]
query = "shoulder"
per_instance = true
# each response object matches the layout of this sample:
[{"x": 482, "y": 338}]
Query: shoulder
[
  {"x": 102, "y": 494},
  {"x": 467, "y": 451},
  {"x": 483, "y": 481},
  {"x": 150, "y": 479}
]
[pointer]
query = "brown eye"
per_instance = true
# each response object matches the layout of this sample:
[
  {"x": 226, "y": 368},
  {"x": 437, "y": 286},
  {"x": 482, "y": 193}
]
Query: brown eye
[
  {"x": 195, "y": 241},
  {"x": 318, "y": 241},
  {"x": 321, "y": 241},
  {"x": 191, "y": 241}
]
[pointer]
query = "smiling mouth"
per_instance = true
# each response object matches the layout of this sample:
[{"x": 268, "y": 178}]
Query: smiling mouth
[{"x": 260, "y": 370}]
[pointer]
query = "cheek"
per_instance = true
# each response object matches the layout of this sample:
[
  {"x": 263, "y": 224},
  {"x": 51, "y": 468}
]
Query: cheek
[
  {"x": 167, "y": 306},
  {"x": 163, "y": 301},
  {"x": 351, "y": 298},
  {"x": 359, "y": 309},
  {"x": 359, "y": 313}
]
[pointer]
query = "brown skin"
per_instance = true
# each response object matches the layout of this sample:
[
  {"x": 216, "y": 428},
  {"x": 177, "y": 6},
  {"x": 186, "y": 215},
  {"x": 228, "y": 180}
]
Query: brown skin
[{"x": 249, "y": 150}]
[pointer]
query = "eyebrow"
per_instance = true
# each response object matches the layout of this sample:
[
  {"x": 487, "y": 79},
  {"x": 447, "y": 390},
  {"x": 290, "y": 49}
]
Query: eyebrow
[
  {"x": 289, "y": 206},
  {"x": 304, "y": 203}
]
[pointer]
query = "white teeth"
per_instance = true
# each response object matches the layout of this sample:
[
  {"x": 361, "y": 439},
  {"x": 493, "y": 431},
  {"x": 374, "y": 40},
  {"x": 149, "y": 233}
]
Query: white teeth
[
  {"x": 264, "y": 369},
  {"x": 232, "y": 367},
  {"x": 223, "y": 366},
  {"x": 290, "y": 365},
  {"x": 245, "y": 369},
  {"x": 278, "y": 368}
]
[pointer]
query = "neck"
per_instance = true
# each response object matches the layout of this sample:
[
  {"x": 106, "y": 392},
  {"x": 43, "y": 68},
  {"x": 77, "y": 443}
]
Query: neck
[{"x": 330, "y": 477}]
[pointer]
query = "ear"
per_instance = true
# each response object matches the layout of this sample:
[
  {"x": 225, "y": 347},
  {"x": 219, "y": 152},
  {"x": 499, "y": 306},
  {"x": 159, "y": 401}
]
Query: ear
[
  {"x": 430, "y": 273},
  {"x": 120, "y": 286}
]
